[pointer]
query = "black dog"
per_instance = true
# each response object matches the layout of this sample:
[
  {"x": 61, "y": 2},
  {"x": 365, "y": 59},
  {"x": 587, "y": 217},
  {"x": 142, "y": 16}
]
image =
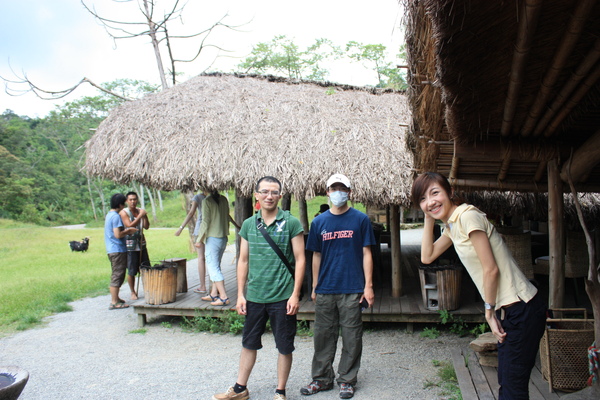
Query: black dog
[{"x": 79, "y": 246}]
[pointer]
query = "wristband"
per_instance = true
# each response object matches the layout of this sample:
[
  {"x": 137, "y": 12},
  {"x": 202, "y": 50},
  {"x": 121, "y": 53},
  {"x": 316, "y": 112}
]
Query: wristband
[
  {"x": 181, "y": 227},
  {"x": 489, "y": 306}
]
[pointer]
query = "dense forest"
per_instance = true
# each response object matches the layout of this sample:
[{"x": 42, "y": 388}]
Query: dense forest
[{"x": 41, "y": 159}]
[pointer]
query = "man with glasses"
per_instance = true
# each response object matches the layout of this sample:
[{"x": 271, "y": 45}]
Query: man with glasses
[
  {"x": 272, "y": 293},
  {"x": 342, "y": 266}
]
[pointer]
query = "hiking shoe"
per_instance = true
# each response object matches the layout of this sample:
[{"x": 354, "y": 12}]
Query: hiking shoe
[
  {"x": 346, "y": 391},
  {"x": 279, "y": 396},
  {"x": 315, "y": 387},
  {"x": 231, "y": 395}
]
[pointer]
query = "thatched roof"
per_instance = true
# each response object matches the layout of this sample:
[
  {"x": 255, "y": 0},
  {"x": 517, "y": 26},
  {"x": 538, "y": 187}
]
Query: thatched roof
[
  {"x": 534, "y": 206},
  {"x": 498, "y": 89},
  {"x": 221, "y": 131}
]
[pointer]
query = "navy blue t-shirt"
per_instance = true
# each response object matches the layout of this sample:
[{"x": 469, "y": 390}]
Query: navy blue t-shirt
[{"x": 340, "y": 240}]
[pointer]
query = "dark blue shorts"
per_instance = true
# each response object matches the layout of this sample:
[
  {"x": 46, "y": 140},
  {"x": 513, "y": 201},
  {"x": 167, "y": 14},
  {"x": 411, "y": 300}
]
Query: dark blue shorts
[{"x": 283, "y": 326}]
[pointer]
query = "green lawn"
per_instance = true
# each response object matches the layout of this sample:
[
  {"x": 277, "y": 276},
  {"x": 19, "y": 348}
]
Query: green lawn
[{"x": 39, "y": 275}]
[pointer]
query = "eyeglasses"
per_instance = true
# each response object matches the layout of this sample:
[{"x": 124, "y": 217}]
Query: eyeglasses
[{"x": 266, "y": 192}]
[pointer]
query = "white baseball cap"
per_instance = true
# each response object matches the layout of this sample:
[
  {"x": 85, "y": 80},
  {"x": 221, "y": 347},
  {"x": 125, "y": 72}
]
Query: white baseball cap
[{"x": 339, "y": 178}]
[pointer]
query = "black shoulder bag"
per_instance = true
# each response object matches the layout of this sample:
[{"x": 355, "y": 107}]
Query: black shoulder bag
[{"x": 261, "y": 227}]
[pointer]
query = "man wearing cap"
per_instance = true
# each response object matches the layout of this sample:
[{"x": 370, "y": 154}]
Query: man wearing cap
[{"x": 342, "y": 266}]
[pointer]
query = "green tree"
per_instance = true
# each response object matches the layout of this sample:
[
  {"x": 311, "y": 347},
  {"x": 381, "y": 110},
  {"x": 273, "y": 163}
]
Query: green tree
[
  {"x": 281, "y": 56},
  {"x": 41, "y": 160},
  {"x": 374, "y": 56}
]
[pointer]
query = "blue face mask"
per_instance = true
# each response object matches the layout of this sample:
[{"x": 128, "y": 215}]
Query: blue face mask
[{"x": 338, "y": 198}]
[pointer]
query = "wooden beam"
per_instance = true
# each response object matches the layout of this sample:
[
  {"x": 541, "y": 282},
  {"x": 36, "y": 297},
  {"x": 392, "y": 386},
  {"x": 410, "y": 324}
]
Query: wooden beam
[
  {"x": 527, "y": 27},
  {"x": 243, "y": 209},
  {"x": 583, "y": 89},
  {"x": 396, "y": 252},
  {"x": 505, "y": 165},
  {"x": 454, "y": 168},
  {"x": 583, "y": 160},
  {"x": 556, "y": 237},
  {"x": 582, "y": 71},
  {"x": 569, "y": 40},
  {"x": 496, "y": 149},
  {"x": 520, "y": 186},
  {"x": 303, "y": 213}
]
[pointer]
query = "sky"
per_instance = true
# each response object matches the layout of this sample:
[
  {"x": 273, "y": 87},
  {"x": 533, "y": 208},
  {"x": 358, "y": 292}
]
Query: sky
[{"x": 56, "y": 43}]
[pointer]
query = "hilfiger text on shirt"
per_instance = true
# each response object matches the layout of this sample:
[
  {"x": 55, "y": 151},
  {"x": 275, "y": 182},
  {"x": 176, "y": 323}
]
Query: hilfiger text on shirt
[{"x": 336, "y": 235}]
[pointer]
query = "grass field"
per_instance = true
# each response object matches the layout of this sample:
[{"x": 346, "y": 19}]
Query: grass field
[{"x": 39, "y": 275}]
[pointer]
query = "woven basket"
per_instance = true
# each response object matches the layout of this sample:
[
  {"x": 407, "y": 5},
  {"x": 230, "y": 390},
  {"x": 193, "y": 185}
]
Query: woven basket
[
  {"x": 563, "y": 351},
  {"x": 576, "y": 258},
  {"x": 519, "y": 245}
]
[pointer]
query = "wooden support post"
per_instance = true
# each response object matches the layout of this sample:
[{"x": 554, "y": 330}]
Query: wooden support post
[
  {"x": 286, "y": 202},
  {"x": 243, "y": 209},
  {"x": 396, "y": 254},
  {"x": 556, "y": 236},
  {"x": 303, "y": 213}
]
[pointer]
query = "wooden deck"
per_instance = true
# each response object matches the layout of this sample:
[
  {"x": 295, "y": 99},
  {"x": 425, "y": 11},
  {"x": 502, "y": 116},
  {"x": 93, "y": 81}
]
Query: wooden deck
[
  {"x": 408, "y": 308},
  {"x": 479, "y": 382}
]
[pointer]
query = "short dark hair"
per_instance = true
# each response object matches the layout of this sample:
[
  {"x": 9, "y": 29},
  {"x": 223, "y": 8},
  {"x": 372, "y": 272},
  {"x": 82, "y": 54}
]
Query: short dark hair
[
  {"x": 422, "y": 183},
  {"x": 132, "y": 193},
  {"x": 267, "y": 178},
  {"x": 117, "y": 200}
]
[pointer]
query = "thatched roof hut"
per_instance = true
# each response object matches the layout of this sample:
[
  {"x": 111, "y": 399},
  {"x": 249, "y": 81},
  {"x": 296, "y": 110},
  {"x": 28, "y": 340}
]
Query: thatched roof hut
[
  {"x": 498, "y": 89},
  {"x": 221, "y": 131}
]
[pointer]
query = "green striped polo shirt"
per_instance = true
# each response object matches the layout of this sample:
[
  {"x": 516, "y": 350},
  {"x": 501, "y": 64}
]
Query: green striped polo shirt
[{"x": 269, "y": 280}]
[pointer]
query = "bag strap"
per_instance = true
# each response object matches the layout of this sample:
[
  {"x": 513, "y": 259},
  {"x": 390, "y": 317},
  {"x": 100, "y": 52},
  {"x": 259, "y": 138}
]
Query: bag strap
[{"x": 261, "y": 227}]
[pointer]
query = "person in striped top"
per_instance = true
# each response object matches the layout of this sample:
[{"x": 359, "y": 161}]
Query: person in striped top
[{"x": 272, "y": 293}]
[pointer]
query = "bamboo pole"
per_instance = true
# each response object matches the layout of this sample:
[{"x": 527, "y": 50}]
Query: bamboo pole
[
  {"x": 527, "y": 27},
  {"x": 582, "y": 71},
  {"x": 569, "y": 40},
  {"x": 556, "y": 237},
  {"x": 573, "y": 101},
  {"x": 396, "y": 252}
]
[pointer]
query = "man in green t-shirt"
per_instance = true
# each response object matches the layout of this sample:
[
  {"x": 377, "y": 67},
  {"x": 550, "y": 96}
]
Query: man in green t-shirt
[{"x": 271, "y": 291}]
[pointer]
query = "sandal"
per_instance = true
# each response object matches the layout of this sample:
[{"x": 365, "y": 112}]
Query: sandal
[
  {"x": 209, "y": 298},
  {"x": 118, "y": 306},
  {"x": 220, "y": 302},
  {"x": 198, "y": 290}
]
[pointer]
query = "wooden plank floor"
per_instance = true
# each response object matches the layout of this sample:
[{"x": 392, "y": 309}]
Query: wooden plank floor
[
  {"x": 480, "y": 382},
  {"x": 408, "y": 308}
]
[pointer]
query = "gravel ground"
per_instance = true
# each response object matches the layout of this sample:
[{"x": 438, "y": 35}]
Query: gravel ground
[{"x": 91, "y": 353}]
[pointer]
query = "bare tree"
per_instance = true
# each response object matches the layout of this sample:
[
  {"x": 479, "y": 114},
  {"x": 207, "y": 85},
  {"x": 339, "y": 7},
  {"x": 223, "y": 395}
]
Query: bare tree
[
  {"x": 592, "y": 287},
  {"x": 156, "y": 28},
  {"x": 149, "y": 25}
]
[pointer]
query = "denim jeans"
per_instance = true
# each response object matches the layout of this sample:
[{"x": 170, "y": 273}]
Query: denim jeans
[{"x": 215, "y": 247}]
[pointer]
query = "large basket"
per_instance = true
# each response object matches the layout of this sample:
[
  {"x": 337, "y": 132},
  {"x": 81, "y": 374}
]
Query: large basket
[
  {"x": 160, "y": 283},
  {"x": 519, "y": 245},
  {"x": 563, "y": 351}
]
